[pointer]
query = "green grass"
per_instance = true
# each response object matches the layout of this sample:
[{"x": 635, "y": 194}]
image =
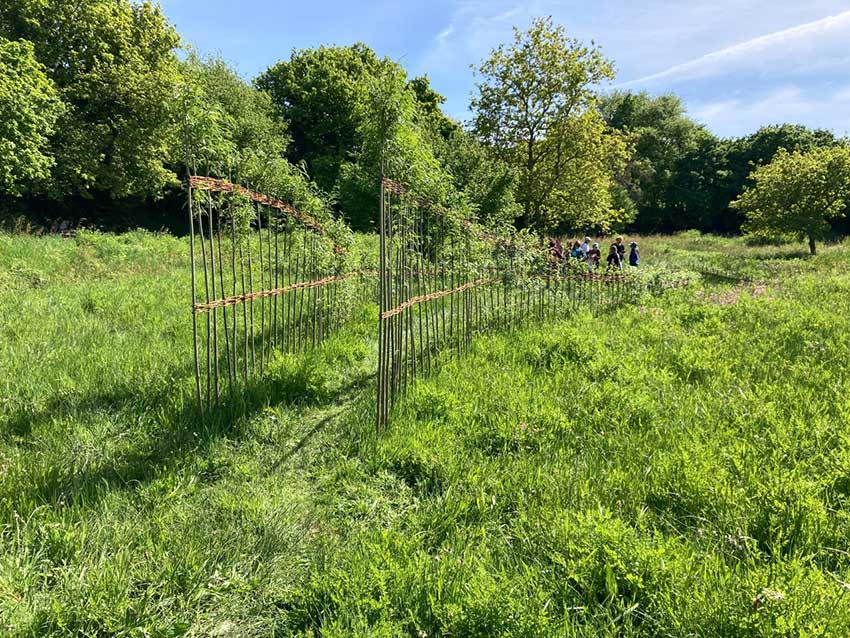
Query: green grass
[{"x": 677, "y": 468}]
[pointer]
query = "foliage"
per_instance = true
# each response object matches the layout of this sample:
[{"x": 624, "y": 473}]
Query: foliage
[
  {"x": 114, "y": 66},
  {"x": 430, "y": 113},
  {"x": 487, "y": 181},
  {"x": 29, "y": 108},
  {"x": 393, "y": 143},
  {"x": 535, "y": 108},
  {"x": 662, "y": 137},
  {"x": 746, "y": 154},
  {"x": 244, "y": 114},
  {"x": 316, "y": 92},
  {"x": 798, "y": 194}
]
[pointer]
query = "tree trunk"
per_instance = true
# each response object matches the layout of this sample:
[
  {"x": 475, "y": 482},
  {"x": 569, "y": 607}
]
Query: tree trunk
[{"x": 812, "y": 245}]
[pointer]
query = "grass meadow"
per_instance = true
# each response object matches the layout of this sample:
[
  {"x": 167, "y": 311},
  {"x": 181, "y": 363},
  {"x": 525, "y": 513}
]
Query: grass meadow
[{"x": 679, "y": 467}]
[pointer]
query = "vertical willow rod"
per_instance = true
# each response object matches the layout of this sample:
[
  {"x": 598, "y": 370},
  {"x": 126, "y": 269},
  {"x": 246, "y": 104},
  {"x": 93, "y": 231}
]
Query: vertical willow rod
[
  {"x": 233, "y": 264},
  {"x": 194, "y": 301},
  {"x": 214, "y": 313},
  {"x": 263, "y": 287},
  {"x": 224, "y": 309},
  {"x": 207, "y": 299}
]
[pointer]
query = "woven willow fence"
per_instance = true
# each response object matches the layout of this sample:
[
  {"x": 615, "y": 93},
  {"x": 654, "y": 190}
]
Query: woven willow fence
[
  {"x": 443, "y": 280},
  {"x": 266, "y": 278}
]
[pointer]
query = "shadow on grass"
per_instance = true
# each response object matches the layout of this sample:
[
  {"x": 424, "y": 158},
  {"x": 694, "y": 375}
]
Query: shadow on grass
[
  {"x": 781, "y": 255},
  {"x": 177, "y": 431}
]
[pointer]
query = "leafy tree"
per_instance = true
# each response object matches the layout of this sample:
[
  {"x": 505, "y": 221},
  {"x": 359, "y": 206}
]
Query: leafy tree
[
  {"x": 316, "y": 92},
  {"x": 798, "y": 194},
  {"x": 391, "y": 137},
  {"x": 745, "y": 154},
  {"x": 29, "y": 108},
  {"x": 430, "y": 113},
  {"x": 223, "y": 118},
  {"x": 536, "y": 109},
  {"x": 114, "y": 66},
  {"x": 486, "y": 181},
  {"x": 664, "y": 140},
  {"x": 696, "y": 195}
]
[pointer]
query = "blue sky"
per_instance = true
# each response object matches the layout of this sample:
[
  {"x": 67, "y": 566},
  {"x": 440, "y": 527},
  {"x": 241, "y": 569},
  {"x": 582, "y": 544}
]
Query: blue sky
[{"x": 738, "y": 64}]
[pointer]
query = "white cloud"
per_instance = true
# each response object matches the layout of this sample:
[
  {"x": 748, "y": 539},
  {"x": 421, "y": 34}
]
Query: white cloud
[
  {"x": 812, "y": 47},
  {"x": 739, "y": 116},
  {"x": 445, "y": 33},
  {"x": 474, "y": 28}
]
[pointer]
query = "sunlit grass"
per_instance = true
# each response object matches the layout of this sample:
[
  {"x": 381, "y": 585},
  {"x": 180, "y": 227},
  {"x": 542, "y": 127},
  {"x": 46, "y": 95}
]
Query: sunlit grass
[{"x": 676, "y": 468}]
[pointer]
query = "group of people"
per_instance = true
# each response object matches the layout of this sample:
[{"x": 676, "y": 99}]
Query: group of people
[{"x": 591, "y": 254}]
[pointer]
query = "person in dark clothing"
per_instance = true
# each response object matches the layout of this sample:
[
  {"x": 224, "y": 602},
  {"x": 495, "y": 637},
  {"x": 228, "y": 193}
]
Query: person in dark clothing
[
  {"x": 614, "y": 258},
  {"x": 621, "y": 249},
  {"x": 555, "y": 248},
  {"x": 634, "y": 257},
  {"x": 594, "y": 256}
]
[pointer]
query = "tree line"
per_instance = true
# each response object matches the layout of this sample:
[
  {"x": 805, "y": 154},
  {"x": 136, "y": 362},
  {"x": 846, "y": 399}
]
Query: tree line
[{"x": 102, "y": 112}]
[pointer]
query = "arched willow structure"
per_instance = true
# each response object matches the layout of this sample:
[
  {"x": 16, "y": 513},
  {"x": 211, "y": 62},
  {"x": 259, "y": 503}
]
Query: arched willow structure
[
  {"x": 266, "y": 277},
  {"x": 443, "y": 280}
]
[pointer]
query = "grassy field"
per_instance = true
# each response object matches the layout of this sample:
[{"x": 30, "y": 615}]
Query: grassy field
[{"x": 680, "y": 467}]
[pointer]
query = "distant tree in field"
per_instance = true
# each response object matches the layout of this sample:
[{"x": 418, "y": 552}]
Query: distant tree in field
[
  {"x": 536, "y": 108},
  {"x": 798, "y": 193},
  {"x": 662, "y": 138},
  {"x": 29, "y": 108},
  {"x": 114, "y": 65},
  {"x": 743, "y": 155}
]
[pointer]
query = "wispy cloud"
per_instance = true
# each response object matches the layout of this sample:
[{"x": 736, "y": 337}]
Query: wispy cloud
[
  {"x": 445, "y": 33},
  {"x": 808, "y": 47},
  {"x": 738, "y": 116}
]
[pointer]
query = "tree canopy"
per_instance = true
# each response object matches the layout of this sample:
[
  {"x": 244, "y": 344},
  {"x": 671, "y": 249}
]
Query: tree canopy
[
  {"x": 29, "y": 108},
  {"x": 114, "y": 66},
  {"x": 535, "y": 109},
  {"x": 99, "y": 113},
  {"x": 316, "y": 92},
  {"x": 798, "y": 193},
  {"x": 662, "y": 136}
]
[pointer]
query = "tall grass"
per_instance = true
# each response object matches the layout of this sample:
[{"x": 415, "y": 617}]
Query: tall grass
[{"x": 677, "y": 468}]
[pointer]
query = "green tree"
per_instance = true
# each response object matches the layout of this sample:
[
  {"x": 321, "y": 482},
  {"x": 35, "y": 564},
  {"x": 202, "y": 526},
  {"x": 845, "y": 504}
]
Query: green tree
[
  {"x": 391, "y": 136},
  {"x": 430, "y": 112},
  {"x": 536, "y": 109},
  {"x": 662, "y": 137},
  {"x": 487, "y": 181},
  {"x": 114, "y": 65},
  {"x": 222, "y": 118},
  {"x": 798, "y": 193},
  {"x": 745, "y": 154},
  {"x": 29, "y": 108},
  {"x": 316, "y": 92},
  {"x": 696, "y": 195}
]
